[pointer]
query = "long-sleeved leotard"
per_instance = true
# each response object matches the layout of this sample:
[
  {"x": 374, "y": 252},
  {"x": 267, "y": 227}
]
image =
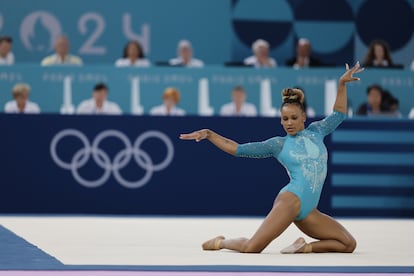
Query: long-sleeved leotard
[{"x": 304, "y": 156}]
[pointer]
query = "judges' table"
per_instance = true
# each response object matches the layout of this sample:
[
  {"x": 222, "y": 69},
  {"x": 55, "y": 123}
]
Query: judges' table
[{"x": 136, "y": 89}]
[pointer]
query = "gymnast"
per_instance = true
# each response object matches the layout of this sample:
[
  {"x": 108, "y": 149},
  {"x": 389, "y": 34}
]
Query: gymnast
[{"x": 304, "y": 155}]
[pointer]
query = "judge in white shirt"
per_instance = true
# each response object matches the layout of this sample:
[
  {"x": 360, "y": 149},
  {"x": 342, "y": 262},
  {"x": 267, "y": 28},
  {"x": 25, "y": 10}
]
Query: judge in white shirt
[
  {"x": 185, "y": 56},
  {"x": 171, "y": 97},
  {"x": 238, "y": 106},
  {"x": 261, "y": 58},
  {"x": 6, "y": 56},
  {"x": 62, "y": 55},
  {"x": 411, "y": 114},
  {"x": 133, "y": 56},
  {"x": 99, "y": 103},
  {"x": 21, "y": 103}
]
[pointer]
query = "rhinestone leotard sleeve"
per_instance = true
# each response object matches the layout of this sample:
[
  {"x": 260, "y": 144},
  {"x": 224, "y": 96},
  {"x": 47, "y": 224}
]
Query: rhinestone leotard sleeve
[
  {"x": 264, "y": 149},
  {"x": 329, "y": 124}
]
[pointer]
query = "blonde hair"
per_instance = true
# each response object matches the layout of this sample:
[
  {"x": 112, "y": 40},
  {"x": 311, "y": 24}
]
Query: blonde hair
[
  {"x": 171, "y": 92},
  {"x": 293, "y": 96},
  {"x": 20, "y": 89}
]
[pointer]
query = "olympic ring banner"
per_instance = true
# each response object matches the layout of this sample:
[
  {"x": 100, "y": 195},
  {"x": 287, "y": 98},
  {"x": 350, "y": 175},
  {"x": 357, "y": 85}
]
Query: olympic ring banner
[
  {"x": 137, "y": 165},
  {"x": 120, "y": 161}
]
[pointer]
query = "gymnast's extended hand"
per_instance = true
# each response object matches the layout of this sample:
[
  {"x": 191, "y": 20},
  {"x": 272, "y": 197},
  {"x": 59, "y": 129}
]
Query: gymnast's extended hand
[
  {"x": 341, "y": 101},
  {"x": 348, "y": 75},
  {"x": 219, "y": 141}
]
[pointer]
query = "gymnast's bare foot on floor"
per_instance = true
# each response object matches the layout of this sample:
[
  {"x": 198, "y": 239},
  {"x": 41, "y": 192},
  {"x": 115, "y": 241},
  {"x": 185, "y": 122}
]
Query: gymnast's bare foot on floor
[
  {"x": 299, "y": 246},
  {"x": 213, "y": 244}
]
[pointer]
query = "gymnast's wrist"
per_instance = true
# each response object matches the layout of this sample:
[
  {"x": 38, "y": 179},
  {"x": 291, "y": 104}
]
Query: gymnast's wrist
[{"x": 208, "y": 133}]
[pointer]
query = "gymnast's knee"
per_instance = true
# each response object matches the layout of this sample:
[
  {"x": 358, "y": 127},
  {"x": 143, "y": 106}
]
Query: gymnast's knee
[
  {"x": 350, "y": 245},
  {"x": 250, "y": 247}
]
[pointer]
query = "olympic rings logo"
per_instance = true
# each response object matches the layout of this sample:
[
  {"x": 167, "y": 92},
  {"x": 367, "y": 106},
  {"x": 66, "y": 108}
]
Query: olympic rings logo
[{"x": 120, "y": 160}]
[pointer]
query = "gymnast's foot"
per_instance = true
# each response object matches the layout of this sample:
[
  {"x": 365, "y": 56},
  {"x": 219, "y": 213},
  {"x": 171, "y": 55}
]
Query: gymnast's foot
[
  {"x": 299, "y": 246},
  {"x": 213, "y": 244}
]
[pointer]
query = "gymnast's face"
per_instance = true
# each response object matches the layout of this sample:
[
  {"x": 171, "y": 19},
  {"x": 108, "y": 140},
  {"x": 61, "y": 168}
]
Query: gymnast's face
[{"x": 293, "y": 119}]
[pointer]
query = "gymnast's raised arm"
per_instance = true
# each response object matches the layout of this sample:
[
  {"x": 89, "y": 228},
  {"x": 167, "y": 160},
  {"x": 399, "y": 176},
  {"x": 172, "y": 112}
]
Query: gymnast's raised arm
[
  {"x": 341, "y": 98},
  {"x": 219, "y": 141}
]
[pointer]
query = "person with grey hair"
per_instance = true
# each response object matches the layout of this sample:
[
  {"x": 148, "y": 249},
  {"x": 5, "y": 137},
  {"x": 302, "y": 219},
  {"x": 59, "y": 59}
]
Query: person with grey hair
[
  {"x": 61, "y": 55},
  {"x": 21, "y": 103},
  {"x": 261, "y": 58},
  {"x": 185, "y": 56},
  {"x": 303, "y": 56}
]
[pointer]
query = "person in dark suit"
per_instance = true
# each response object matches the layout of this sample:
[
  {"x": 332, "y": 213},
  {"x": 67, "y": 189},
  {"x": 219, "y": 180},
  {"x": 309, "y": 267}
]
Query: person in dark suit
[{"x": 303, "y": 56}]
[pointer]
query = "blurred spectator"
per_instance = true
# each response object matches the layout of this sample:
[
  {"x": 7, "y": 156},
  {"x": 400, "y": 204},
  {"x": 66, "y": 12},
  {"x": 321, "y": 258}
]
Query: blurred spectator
[
  {"x": 303, "y": 56},
  {"x": 21, "y": 103},
  {"x": 378, "y": 55},
  {"x": 395, "y": 108},
  {"x": 412, "y": 65},
  {"x": 185, "y": 56},
  {"x": 61, "y": 55},
  {"x": 238, "y": 106},
  {"x": 411, "y": 114},
  {"x": 170, "y": 97},
  {"x": 390, "y": 105},
  {"x": 133, "y": 56},
  {"x": 374, "y": 104},
  {"x": 6, "y": 56},
  {"x": 261, "y": 58},
  {"x": 99, "y": 103}
]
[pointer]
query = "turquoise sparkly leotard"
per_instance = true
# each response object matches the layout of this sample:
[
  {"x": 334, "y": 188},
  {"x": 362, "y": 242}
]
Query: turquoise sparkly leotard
[{"x": 304, "y": 156}]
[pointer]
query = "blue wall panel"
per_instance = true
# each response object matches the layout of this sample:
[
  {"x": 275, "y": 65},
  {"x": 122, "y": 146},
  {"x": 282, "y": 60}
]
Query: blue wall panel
[{"x": 137, "y": 177}]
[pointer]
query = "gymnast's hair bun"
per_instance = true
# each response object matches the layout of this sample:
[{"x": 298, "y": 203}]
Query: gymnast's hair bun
[{"x": 293, "y": 95}]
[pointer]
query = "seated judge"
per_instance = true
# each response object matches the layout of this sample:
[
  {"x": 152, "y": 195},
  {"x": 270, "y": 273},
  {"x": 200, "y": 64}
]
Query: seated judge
[
  {"x": 99, "y": 104},
  {"x": 238, "y": 106},
  {"x": 62, "y": 55},
  {"x": 20, "y": 102},
  {"x": 133, "y": 56},
  {"x": 6, "y": 55},
  {"x": 303, "y": 56},
  {"x": 170, "y": 97},
  {"x": 261, "y": 58},
  {"x": 185, "y": 56}
]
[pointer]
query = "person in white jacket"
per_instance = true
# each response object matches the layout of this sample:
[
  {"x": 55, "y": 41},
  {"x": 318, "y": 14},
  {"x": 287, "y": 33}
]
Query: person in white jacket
[
  {"x": 238, "y": 106},
  {"x": 261, "y": 58},
  {"x": 21, "y": 103},
  {"x": 171, "y": 97},
  {"x": 411, "y": 114},
  {"x": 185, "y": 56},
  {"x": 133, "y": 56},
  {"x": 99, "y": 104}
]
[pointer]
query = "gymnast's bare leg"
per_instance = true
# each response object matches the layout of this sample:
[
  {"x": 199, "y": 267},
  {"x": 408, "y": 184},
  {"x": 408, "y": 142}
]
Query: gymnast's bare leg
[
  {"x": 285, "y": 210},
  {"x": 331, "y": 235}
]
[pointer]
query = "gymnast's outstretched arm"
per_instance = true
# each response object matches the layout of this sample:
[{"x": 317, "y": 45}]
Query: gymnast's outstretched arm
[
  {"x": 223, "y": 143},
  {"x": 341, "y": 98}
]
